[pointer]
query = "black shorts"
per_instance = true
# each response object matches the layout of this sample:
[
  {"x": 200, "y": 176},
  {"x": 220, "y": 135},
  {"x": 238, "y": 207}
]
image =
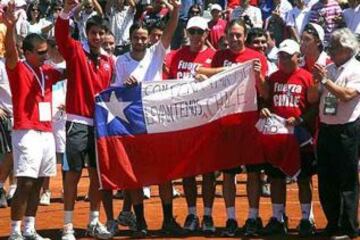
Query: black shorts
[
  {"x": 5, "y": 135},
  {"x": 80, "y": 146},
  {"x": 235, "y": 170}
]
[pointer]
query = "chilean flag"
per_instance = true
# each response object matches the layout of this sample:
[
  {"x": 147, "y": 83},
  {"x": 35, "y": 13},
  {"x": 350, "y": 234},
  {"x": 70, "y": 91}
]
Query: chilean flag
[{"x": 164, "y": 130}]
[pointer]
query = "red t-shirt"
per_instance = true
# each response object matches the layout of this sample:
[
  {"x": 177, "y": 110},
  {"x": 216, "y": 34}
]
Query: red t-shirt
[
  {"x": 26, "y": 95},
  {"x": 217, "y": 30},
  {"x": 226, "y": 58},
  {"x": 181, "y": 62},
  {"x": 289, "y": 92}
]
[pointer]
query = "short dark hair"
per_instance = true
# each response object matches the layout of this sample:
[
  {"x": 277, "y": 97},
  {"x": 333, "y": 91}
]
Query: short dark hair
[
  {"x": 255, "y": 33},
  {"x": 240, "y": 22},
  {"x": 32, "y": 5},
  {"x": 97, "y": 21},
  {"x": 30, "y": 41},
  {"x": 312, "y": 31},
  {"x": 138, "y": 25},
  {"x": 157, "y": 25}
]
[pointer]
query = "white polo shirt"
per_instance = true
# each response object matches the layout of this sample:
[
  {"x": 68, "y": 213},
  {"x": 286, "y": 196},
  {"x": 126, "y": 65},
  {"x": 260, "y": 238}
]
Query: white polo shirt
[{"x": 347, "y": 75}]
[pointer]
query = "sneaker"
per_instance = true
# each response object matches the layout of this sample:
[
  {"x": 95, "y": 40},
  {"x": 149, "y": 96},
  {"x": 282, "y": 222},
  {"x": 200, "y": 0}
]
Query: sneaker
[
  {"x": 16, "y": 236},
  {"x": 98, "y": 230},
  {"x": 34, "y": 236},
  {"x": 175, "y": 193},
  {"x": 265, "y": 190},
  {"x": 274, "y": 227},
  {"x": 231, "y": 228},
  {"x": 252, "y": 227},
  {"x": 127, "y": 219},
  {"x": 45, "y": 198},
  {"x": 207, "y": 224},
  {"x": 119, "y": 194},
  {"x": 112, "y": 227},
  {"x": 140, "y": 230},
  {"x": 3, "y": 201},
  {"x": 147, "y": 192},
  {"x": 68, "y": 232},
  {"x": 171, "y": 227},
  {"x": 306, "y": 228},
  {"x": 191, "y": 223}
]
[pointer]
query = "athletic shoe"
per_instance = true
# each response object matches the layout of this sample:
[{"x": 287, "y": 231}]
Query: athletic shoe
[
  {"x": 112, "y": 227},
  {"x": 306, "y": 228},
  {"x": 191, "y": 223},
  {"x": 45, "y": 198},
  {"x": 274, "y": 227},
  {"x": 265, "y": 190},
  {"x": 68, "y": 232},
  {"x": 175, "y": 193},
  {"x": 147, "y": 192},
  {"x": 16, "y": 236},
  {"x": 34, "y": 236},
  {"x": 98, "y": 230},
  {"x": 252, "y": 227},
  {"x": 207, "y": 225},
  {"x": 127, "y": 219},
  {"x": 140, "y": 230},
  {"x": 171, "y": 227},
  {"x": 119, "y": 194},
  {"x": 3, "y": 201},
  {"x": 231, "y": 228}
]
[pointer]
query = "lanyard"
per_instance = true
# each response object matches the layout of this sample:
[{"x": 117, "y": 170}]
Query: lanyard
[{"x": 42, "y": 82}]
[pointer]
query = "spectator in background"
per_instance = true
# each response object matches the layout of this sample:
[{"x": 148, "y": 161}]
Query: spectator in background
[
  {"x": 351, "y": 16},
  {"x": 272, "y": 50},
  {"x": 216, "y": 25},
  {"x": 36, "y": 23},
  {"x": 158, "y": 11},
  {"x": 248, "y": 13},
  {"x": 296, "y": 19},
  {"x": 121, "y": 15}
]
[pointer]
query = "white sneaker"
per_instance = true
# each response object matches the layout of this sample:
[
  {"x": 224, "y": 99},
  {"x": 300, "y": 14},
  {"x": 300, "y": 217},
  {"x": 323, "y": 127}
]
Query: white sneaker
[
  {"x": 68, "y": 232},
  {"x": 34, "y": 236},
  {"x": 99, "y": 231},
  {"x": 147, "y": 193},
  {"x": 175, "y": 193},
  {"x": 45, "y": 198},
  {"x": 127, "y": 219},
  {"x": 15, "y": 236},
  {"x": 112, "y": 227}
]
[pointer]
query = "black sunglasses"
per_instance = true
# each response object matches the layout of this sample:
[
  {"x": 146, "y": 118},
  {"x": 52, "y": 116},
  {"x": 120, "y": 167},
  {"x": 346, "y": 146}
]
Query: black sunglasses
[{"x": 198, "y": 31}]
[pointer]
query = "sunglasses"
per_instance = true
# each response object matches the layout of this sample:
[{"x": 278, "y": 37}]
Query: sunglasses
[
  {"x": 41, "y": 53},
  {"x": 193, "y": 31}
]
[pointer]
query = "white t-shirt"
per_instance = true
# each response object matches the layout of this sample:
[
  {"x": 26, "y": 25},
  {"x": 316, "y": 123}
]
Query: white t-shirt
[
  {"x": 36, "y": 28},
  {"x": 148, "y": 69},
  {"x": 298, "y": 18},
  {"x": 120, "y": 23},
  {"x": 352, "y": 19},
  {"x": 254, "y": 14}
]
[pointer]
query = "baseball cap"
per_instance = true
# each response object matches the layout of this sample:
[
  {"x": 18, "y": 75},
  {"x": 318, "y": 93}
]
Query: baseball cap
[
  {"x": 215, "y": 7},
  {"x": 319, "y": 30},
  {"x": 289, "y": 46},
  {"x": 197, "y": 22}
]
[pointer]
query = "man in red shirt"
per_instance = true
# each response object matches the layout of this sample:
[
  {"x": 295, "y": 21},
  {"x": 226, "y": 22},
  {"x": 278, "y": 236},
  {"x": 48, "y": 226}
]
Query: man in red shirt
[
  {"x": 181, "y": 65},
  {"x": 32, "y": 139},
  {"x": 90, "y": 70},
  {"x": 216, "y": 25}
]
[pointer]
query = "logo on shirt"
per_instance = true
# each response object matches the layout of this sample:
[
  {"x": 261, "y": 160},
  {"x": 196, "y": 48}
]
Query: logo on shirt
[
  {"x": 287, "y": 95},
  {"x": 106, "y": 66}
]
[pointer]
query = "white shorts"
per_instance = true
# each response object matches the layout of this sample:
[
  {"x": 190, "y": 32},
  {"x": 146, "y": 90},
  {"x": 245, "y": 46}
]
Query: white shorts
[{"x": 34, "y": 153}]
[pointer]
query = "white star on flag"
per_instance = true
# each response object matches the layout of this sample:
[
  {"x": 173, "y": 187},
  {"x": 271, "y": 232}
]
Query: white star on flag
[{"x": 115, "y": 108}]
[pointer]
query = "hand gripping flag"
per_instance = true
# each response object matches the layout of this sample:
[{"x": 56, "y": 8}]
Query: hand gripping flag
[{"x": 164, "y": 130}]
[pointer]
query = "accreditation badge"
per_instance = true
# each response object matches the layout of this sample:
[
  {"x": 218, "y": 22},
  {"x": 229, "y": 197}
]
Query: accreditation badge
[
  {"x": 330, "y": 105},
  {"x": 44, "y": 111}
]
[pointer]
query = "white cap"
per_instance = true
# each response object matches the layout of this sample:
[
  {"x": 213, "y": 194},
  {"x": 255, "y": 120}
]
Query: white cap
[
  {"x": 197, "y": 22},
  {"x": 319, "y": 30},
  {"x": 289, "y": 46},
  {"x": 215, "y": 6}
]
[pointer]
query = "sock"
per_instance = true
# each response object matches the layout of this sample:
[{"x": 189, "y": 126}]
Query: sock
[
  {"x": 278, "y": 211},
  {"x": 94, "y": 217},
  {"x": 29, "y": 225},
  {"x": 68, "y": 217},
  {"x": 207, "y": 211},
  {"x": 192, "y": 210},
  {"x": 306, "y": 211},
  {"x": 253, "y": 213},
  {"x": 1, "y": 184},
  {"x": 16, "y": 227},
  {"x": 139, "y": 212},
  {"x": 167, "y": 211},
  {"x": 230, "y": 213}
]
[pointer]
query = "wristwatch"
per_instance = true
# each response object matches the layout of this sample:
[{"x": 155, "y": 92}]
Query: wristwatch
[{"x": 324, "y": 80}]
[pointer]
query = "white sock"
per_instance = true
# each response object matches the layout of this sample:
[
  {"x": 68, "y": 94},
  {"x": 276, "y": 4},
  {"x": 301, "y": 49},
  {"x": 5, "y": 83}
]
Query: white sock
[
  {"x": 1, "y": 184},
  {"x": 16, "y": 227},
  {"x": 192, "y": 210},
  {"x": 29, "y": 225},
  {"x": 306, "y": 211},
  {"x": 253, "y": 213},
  {"x": 278, "y": 212},
  {"x": 207, "y": 211},
  {"x": 230, "y": 213},
  {"x": 68, "y": 217},
  {"x": 94, "y": 217}
]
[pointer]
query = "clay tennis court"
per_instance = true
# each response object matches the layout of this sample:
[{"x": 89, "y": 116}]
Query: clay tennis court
[{"x": 50, "y": 218}]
